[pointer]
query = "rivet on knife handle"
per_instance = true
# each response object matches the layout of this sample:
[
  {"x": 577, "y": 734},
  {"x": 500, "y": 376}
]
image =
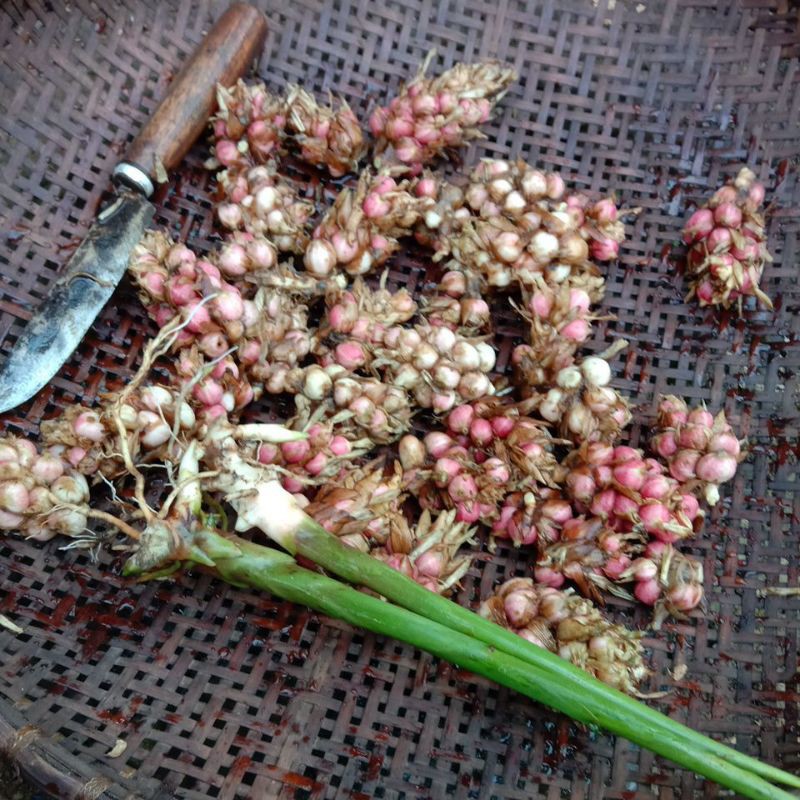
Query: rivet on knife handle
[{"x": 224, "y": 56}]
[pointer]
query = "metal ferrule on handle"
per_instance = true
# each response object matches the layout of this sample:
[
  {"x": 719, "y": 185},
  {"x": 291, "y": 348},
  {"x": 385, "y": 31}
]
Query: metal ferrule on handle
[{"x": 131, "y": 176}]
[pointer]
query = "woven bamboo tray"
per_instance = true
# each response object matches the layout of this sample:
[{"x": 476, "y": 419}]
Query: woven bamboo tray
[{"x": 228, "y": 694}]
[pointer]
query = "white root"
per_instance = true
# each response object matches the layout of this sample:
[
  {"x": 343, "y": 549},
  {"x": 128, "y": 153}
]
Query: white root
[
  {"x": 254, "y": 492},
  {"x": 267, "y": 432}
]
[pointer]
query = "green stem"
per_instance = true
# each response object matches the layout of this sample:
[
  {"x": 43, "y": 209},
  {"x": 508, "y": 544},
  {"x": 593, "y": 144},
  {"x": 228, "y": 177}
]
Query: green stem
[
  {"x": 613, "y": 710},
  {"x": 244, "y": 563}
]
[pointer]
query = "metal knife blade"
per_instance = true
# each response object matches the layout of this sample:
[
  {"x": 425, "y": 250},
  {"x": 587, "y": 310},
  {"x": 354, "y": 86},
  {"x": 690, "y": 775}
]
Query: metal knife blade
[{"x": 77, "y": 297}]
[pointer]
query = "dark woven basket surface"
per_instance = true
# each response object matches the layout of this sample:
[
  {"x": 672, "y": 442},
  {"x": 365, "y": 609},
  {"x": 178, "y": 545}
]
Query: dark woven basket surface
[{"x": 225, "y": 693}]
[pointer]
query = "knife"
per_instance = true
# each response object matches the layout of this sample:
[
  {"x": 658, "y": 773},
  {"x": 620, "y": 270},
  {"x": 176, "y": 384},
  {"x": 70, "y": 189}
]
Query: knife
[{"x": 91, "y": 275}]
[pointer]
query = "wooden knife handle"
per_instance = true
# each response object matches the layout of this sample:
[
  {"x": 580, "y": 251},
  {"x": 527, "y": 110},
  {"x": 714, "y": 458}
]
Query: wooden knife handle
[{"x": 223, "y": 56}]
